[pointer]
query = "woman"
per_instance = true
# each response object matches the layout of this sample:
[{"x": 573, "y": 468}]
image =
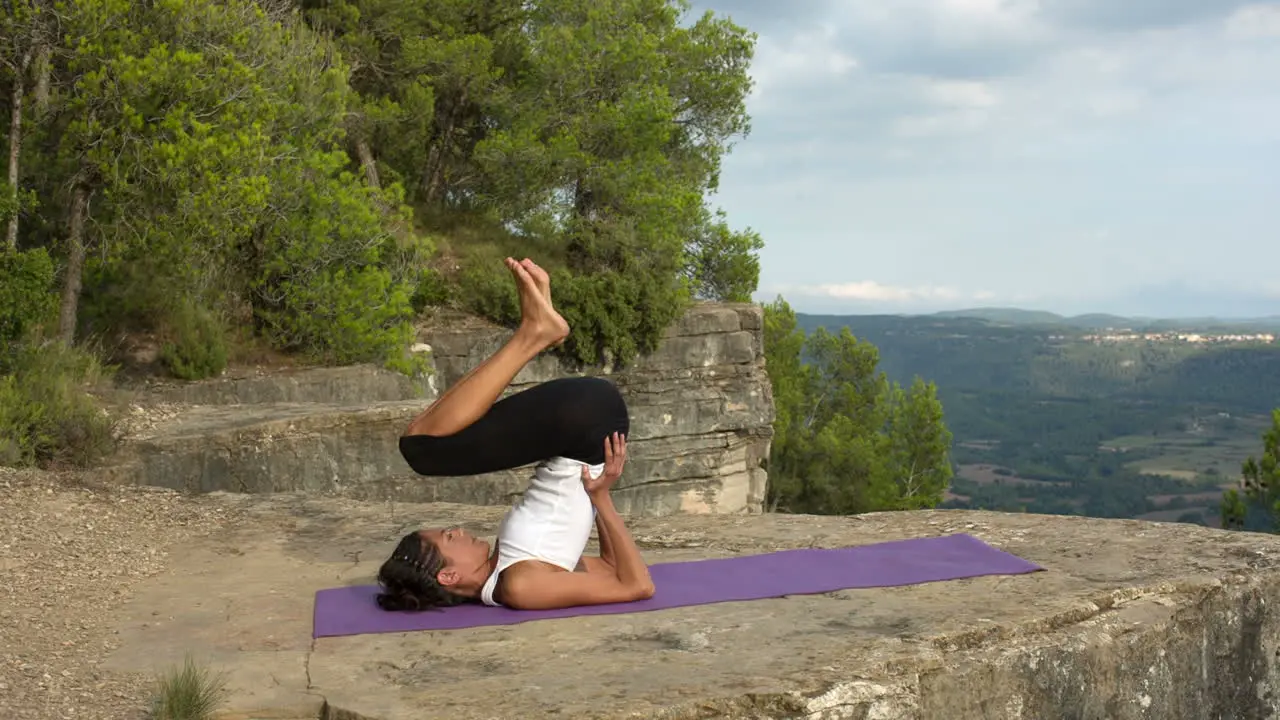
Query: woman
[{"x": 575, "y": 430}]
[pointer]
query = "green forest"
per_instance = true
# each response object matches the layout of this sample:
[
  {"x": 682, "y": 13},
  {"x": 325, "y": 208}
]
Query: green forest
[
  {"x": 316, "y": 171},
  {"x": 1046, "y": 419},
  {"x": 227, "y": 180},
  {"x": 228, "y": 177}
]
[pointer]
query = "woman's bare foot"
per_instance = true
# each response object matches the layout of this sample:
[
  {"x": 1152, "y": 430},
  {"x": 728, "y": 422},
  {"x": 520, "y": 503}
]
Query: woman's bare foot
[
  {"x": 538, "y": 319},
  {"x": 540, "y": 278}
]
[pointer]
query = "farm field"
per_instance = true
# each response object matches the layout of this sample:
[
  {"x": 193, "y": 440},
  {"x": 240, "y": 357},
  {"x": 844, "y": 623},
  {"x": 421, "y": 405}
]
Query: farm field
[{"x": 1209, "y": 450}]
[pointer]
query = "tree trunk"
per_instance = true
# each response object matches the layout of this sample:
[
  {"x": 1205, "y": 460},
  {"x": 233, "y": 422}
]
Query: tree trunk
[
  {"x": 15, "y": 147},
  {"x": 368, "y": 163},
  {"x": 434, "y": 174},
  {"x": 75, "y": 266},
  {"x": 43, "y": 68},
  {"x": 433, "y": 177},
  {"x": 370, "y": 166}
]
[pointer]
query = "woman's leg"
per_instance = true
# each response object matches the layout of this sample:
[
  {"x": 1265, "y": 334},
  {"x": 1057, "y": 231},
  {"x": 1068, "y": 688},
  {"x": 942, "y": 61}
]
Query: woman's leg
[
  {"x": 465, "y": 432},
  {"x": 566, "y": 417},
  {"x": 540, "y": 327}
]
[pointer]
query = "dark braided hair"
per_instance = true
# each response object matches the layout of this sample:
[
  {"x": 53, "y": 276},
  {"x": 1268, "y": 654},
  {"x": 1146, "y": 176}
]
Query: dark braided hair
[{"x": 408, "y": 577}]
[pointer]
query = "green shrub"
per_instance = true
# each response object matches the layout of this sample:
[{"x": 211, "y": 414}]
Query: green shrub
[
  {"x": 722, "y": 264},
  {"x": 486, "y": 288},
  {"x": 339, "y": 316},
  {"x": 615, "y": 316},
  {"x": 47, "y": 418},
  {"x": 129, "y": 291},
  {"x": 188, "y": 693},
  {"x": 331, "y": 282},
  {"x": 431, "y": 291},
  {"x": 26, "y": 297},
  {"x": 198, "y": 349}
]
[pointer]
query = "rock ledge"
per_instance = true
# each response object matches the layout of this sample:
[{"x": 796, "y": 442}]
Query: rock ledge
[{"x": 1130, "y": 620}]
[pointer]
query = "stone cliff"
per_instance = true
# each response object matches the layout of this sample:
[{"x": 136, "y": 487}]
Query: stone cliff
[
  {"x": 701, "y": 410},
  {"x": 1129, "y": 621}
]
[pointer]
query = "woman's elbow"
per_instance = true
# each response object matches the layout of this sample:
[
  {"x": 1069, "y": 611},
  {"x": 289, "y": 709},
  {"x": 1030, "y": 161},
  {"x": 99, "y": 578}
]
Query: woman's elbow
[{"x": 645, "y": 590}]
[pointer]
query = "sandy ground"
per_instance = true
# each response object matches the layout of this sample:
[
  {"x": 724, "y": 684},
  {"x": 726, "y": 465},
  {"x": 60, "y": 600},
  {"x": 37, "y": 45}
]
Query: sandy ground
[{"x": 69, "y": 554}]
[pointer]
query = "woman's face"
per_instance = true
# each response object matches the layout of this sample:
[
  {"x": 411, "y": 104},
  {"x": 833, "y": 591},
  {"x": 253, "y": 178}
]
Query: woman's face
[{"x": 463, "y": 552}]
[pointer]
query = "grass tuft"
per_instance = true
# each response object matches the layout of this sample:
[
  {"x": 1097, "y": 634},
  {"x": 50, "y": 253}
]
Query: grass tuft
[{"x": 188, "y": 693}]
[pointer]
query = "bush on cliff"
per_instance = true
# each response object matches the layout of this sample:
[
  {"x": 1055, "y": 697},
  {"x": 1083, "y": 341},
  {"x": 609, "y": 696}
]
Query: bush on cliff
[
  {"x": 198, "y": 348},
  {"x": 1257, "y": 508},
  {"x": 47, "y": 419},
  {"x": 846, "y": 440},
  {"x": 26, "y": 293}
]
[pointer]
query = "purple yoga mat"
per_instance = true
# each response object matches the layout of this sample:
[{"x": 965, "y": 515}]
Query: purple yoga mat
[{"x": 353, "y": 610}]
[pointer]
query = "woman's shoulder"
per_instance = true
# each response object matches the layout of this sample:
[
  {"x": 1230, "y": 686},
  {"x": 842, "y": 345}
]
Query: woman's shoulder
[{"x": 518, "y": 575}]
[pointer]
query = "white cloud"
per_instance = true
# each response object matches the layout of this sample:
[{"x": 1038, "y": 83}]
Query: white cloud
[
  {"x": 947, "y": 20},
  {"x": 801, "y": 60},
  {"x": 957, "y": 106},
  {"x": 945, "y": 38},
  {"x": 962, "y": 93},
  {"x": 1254, "y": 21},
  {"x": 940, "y": 124},
  {"x": 872, "y": 291},
  {"x": 957, "y": 68}
]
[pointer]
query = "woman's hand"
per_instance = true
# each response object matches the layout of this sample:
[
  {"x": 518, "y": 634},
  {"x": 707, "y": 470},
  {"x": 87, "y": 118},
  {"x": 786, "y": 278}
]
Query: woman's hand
[{"x": 615, "y": 456}]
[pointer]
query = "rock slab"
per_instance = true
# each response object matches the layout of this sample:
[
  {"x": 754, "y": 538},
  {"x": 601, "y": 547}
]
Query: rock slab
[
  {"x": 1130, "y": 620},
  {"x": 701, "y": 404},
  {"x": 701, "y": 410}
]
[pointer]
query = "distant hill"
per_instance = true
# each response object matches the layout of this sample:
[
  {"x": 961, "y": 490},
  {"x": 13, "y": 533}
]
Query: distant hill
[
  {"x": 1102, "y": 321},
  {"x": 970, "y": 358},
  {"x": 1006, "y": 316}
]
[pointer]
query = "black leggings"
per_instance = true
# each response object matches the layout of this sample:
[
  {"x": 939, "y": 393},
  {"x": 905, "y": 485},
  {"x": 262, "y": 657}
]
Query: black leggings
[{"x": 566, "y": 417}]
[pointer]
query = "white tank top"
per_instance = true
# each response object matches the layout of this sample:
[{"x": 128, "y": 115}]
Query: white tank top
[{"x": 551, "y": 522}]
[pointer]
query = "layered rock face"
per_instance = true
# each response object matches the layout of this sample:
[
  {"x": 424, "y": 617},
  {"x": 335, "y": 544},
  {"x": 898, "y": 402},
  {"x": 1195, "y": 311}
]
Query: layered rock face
[
  {"x": 701, "y": 416},
  {"x": 701, "y": 409}
]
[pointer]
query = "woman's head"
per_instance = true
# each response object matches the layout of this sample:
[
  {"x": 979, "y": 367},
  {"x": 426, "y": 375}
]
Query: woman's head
[{"x": 434, "y": 568}]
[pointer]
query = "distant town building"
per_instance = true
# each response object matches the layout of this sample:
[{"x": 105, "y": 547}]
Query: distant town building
[{"x": 1201, "y": 338}]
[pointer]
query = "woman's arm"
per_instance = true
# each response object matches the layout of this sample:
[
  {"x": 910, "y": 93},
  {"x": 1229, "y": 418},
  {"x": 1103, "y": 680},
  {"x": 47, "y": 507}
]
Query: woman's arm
[
  {"x": 606, "y": 542},
  {"x": 629, "y": 566},
  {"x": 603, "y": 562}
]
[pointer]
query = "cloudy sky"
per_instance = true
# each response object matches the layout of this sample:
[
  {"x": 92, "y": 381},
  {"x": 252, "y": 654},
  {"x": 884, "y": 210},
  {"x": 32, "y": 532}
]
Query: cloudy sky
[{"x": 1069, "y": 155}]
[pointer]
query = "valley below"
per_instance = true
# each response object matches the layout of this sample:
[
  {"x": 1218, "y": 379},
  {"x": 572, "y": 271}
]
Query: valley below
[{"x": 1097, "y": 416}]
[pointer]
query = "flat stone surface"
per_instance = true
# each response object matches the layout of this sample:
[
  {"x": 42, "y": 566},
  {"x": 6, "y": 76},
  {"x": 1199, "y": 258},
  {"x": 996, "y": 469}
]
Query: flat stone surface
[
  {"x": 1131, "y": 620},
  {"x": 355, "y": 384},
  {"x": 274, "y": 419}
]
